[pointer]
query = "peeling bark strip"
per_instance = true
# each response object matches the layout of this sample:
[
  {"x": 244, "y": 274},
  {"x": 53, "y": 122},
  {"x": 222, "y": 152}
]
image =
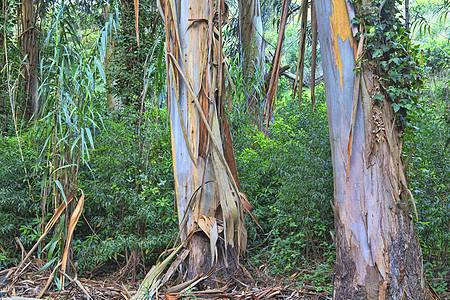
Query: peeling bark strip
[
  {"x": 273, "y": 84},
  {"x": 206, "y": 185},
  {"x": 378, "y": 255}
]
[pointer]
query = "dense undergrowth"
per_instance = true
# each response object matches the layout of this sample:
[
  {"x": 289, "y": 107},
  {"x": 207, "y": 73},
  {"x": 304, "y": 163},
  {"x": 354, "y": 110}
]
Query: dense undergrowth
[
  {"x": 128, "y": 178},
  {"x": 287, "y": 177}
]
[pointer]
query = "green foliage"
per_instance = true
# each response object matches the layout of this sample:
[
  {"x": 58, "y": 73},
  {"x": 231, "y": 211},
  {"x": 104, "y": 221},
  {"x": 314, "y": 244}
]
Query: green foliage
[
  {"x": 288, "y": 177},
  {"x": 391, "y": 55},
  {"x": 436, "y": 53},
  {"x": 428, "y": 175},
  {"x": 429, "y": 19},
  {"x": 11, "y": 79},
  {"x": 321, "y": 276},
  {"x": 20, "y": 205},
  {"x": 129, "y": 62},
  {"x": 437, "y": 272},
  {"x": 129, "y": 197}
]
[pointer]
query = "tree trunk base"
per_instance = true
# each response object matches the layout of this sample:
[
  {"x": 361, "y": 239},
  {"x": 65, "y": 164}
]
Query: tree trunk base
[{"x": 199, "y": 261}]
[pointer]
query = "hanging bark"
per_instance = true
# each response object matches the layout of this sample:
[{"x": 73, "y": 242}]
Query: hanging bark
[
  {"x": 29, "y": 42},
  {"x": 276, "y": 64},
  {"x": 207, "y": 194},
  {"x": 301, "y": 51},
  {"x": 378, "y": 255},
  {"x": 314, "y": 52}
]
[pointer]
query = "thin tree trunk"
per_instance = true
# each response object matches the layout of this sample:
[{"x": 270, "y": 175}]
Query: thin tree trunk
[
  {"x": 251, "y": 35},
  {"x": 378, "y": 253},
  {"x": 3, "y": 18},
  {"x": 206, "y": 191},
  {"x": 30, "y": 50},
  {"x": 110, "y": 99}
]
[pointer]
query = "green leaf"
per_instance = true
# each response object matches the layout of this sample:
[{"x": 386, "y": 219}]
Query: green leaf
[
  {"x": 396, "y": 107},
  {"x": 61, "y": 189},
  {"x": 377, "y": 53},
  {"x": 100, "y": 69},
  {"x": 46, "y": 266},
  {"x": 378, "y": 97},
  {"x": 91, "y": 141}
]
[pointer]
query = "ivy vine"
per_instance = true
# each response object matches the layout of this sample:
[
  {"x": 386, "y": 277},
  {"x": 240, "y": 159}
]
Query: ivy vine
[{"x": 390, "y": 54}]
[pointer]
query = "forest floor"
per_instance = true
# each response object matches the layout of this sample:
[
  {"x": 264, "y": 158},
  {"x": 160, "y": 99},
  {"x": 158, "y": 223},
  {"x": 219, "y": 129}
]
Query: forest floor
[
  {"x": 36, "y": 281},
  {"x": 30, "y": 284}
]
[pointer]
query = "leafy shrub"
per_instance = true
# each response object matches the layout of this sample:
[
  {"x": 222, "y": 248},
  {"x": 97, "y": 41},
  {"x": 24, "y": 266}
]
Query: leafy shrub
[
  {"x": 288, "y": 177},
  {"x": 428, "y": 174},
  {"x": 19, "y": 194},
  {"x": 129, "y": 196}
]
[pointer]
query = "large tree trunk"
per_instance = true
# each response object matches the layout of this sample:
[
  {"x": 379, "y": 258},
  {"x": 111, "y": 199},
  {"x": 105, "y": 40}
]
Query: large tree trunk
[
  {"x": 251, "y": 35},
  {"x": 30, "y": 51},
  {"x": 378, "y": 253},
  {"x": 205, "y": 183}
]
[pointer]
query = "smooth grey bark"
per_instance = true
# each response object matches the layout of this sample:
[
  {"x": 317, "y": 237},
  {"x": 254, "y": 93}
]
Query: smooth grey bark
[
  {"x": 251, "y": 36},
  {"x": 378, "y": 255}
]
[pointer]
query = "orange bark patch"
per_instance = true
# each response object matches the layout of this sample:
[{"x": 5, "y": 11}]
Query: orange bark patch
[
  {"x": 340, "y": 26},
  {"x": 203, "y": 134}
]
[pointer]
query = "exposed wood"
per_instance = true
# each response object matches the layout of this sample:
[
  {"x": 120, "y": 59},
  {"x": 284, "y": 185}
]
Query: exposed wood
[
  {"x": 251, "y": 36},
  {"x": 252, "y": 48}
]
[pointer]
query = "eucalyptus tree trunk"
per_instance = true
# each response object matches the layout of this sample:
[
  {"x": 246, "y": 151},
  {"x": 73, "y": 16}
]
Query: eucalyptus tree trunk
[
  {"x": 29, "y": 42},
  {"x": 206, "y": 187},
  {"x": 378, "y": 255},
  {"x": 251, "y": 35},
  {"x": 110, "y": 99}
]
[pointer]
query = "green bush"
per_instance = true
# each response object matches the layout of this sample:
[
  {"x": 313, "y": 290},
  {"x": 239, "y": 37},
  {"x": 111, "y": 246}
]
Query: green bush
[
  {"x": 129, "y": 197},
  {"x": 19, "y": 193},
  {"x": 428, "y": 175},
  {"x": 288, "y": 178}
]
